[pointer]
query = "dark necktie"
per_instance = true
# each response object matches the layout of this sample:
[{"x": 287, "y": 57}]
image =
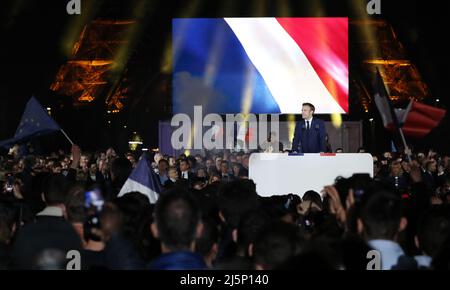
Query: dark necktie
[{"x": 307, "y": 125}]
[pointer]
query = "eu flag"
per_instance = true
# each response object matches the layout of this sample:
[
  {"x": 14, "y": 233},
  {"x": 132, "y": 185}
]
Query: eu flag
[{"x": 35, "y": 122}]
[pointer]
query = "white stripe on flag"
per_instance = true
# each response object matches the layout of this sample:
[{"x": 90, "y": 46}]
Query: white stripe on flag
[
  {"x": 131, "y": 185},
  {"x": 286, "y": 70}
]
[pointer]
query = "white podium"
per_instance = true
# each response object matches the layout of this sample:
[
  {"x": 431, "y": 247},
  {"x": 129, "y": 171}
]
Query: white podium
[{"x": 282, "y": 173}]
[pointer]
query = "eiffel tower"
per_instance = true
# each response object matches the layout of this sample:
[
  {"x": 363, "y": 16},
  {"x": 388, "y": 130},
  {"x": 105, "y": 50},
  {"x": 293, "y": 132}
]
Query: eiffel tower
[{"x": 86, "y": 76}]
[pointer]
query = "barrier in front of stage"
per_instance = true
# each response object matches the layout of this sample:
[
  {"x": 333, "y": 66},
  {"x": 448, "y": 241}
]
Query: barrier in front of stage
[{"x": 281, "y": 173}]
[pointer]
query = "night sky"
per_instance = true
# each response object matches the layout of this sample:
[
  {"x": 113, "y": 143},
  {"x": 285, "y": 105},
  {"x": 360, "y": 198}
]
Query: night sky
[{"x": 32, "y": 33}]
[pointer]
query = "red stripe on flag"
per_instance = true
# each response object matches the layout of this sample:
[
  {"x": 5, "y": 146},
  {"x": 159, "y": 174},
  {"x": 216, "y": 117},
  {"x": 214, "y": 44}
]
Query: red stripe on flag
[
  {"x": 421, "y": 119},
  {"x": 327, "y": 154},
  {"x": 324, "y": 41}
]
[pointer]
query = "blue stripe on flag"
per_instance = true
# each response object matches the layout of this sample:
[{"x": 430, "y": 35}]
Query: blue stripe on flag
[
  {"x": 144, "y": 175},
  {"x": 199, "y": 42}
]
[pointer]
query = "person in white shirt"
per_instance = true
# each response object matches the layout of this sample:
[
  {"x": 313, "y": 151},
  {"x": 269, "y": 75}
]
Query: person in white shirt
[{"x": 380, "y": 223}]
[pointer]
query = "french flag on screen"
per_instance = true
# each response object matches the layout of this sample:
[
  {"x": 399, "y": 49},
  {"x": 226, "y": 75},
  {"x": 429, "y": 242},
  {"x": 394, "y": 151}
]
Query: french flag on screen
[{"x": 260, "y": 65}]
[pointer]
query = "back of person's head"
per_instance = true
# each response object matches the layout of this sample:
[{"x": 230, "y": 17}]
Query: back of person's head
[
  {"x": 359, "y": 183},
  {"x": 434, "y": 229},
  {"x": 249, "y": 226},
  {"x": 75, "y": 204},
  {"x": 361, "y": 150},
  {"x": 55, "y": 189},
  {"x": 275, "y": 244},
  {"x": 235, "y": 199},
  {"x": 381, "y": 215},
  {"x": 313, "y": 197},
  {"x": 207, "y": 243},
  {"x": 7, "y": 222},
  {"x": 342, "y": 186},
  {"x": 111, "y": 219},
  {"x": 275, "y": 207},
  {"x": 177, "y": 220},
  {"x": 134, "y": 207},
  {"x": 136, "y": 214},
  {"x": 120, "y": 169}
]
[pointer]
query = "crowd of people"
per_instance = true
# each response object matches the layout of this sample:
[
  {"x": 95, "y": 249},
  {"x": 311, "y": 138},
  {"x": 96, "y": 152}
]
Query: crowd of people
[{"x": 209, "y": 215}]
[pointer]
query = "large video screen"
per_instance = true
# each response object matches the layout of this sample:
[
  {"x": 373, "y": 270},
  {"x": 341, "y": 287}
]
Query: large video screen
[{"x": 260, "y": 65}]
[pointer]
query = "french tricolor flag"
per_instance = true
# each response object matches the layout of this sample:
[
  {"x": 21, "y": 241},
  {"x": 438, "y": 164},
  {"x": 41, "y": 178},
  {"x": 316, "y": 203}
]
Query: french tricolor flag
[
  {"x": 144, "y": 180},
  {"x": 260, "y": 65}
]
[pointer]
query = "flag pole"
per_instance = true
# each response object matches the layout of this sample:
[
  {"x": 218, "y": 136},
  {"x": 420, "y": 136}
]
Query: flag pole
[
  {"x": 407, "y": 151},
  {"x": 394, "y": 115},
  {"x": 65, "y": 135}
]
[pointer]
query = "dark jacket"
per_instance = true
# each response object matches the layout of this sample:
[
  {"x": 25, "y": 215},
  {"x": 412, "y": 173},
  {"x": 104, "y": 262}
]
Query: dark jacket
[
  {"x": 5, "y": 256},
  {"x": 99, "y": 179},
  {"x": 120, "y": 254},
  {"x": 401, "y": 183},
  {"x": 312, "y": 140},
  {"x": 168, "y": 184},
  {"x": 181, "y": 260},
  {"x": 48, "y": 232},
  {"x": 191, "y": 176},
  {"x": 430, "y": 180},
  {"x": 227, "y": 178}
]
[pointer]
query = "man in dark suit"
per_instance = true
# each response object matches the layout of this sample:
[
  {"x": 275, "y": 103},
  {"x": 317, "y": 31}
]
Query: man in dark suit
[
  {"x": 309, "y": 135},
  {"x": 185, "y": 172},
  {"x": 51, "y": 235},
  {"x": 397, "y": 177},
  {"x": 226, "y": 176}
]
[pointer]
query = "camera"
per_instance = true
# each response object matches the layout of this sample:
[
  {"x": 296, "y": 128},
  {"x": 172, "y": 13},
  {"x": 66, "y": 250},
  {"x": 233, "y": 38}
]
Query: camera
[
  {"x": 9, "y": 182},
  {"x": 358, "y": 182}
]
